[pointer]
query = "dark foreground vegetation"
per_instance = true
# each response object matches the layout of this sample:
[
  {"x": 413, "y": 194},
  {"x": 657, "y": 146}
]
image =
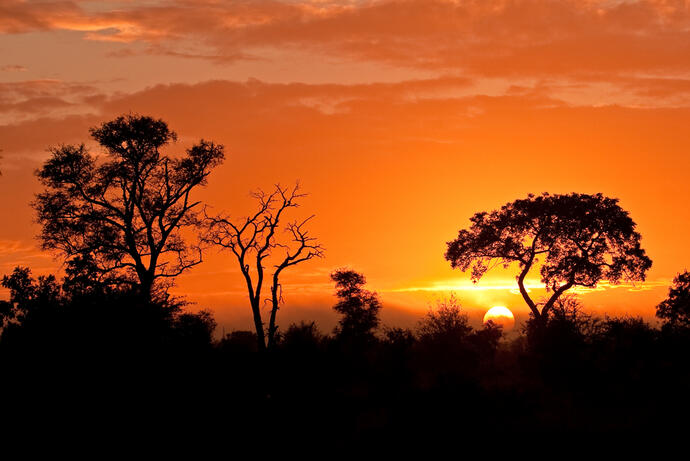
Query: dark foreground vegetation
[{"x": 100, "y": 357}]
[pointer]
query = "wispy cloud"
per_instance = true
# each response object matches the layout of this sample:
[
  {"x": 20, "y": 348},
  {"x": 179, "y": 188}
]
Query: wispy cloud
[
  {"x": 17, "y": 253},
  {"x": 12, "y": 68},
  {"x": 530, "y": 285},
  {"x": 29, "y": 99}
]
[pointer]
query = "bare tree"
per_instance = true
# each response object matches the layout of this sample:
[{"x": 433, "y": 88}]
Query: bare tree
[{"x": 253, "y": 241}]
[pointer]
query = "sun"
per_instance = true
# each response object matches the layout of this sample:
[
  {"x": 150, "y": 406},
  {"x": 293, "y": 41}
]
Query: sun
[{"x": 500, "y": 315}]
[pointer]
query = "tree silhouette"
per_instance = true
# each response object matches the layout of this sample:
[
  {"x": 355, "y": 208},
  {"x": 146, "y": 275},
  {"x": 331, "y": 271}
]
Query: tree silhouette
[
  {"x": 446, "y": 321},
  {"x": 27, "y": 296},
  {"x": 125, "y": 214},
  {"x": 579, "y": 240},
  {"x": 303, "y": 338},
  {"x": 253, "y": 241},
  {"x": 675, "y": 309},
  {"x": 448, "y": 348},
  {"x": 359, "y": 307}
]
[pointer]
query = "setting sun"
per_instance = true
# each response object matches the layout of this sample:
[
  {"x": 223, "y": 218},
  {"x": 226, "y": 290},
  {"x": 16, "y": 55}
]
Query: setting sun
[{"x": 500, "y": 315}]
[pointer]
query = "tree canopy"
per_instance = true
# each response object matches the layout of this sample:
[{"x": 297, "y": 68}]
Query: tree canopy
[
  {"x": 675, "y": 309},
  {"x": 359, "y": 307},
  {"x": 124, "y": 212},
  {"x": 574, "y": 239}
]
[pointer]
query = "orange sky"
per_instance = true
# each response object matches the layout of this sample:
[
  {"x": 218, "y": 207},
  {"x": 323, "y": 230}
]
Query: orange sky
[{"x": 401, "y": 119}]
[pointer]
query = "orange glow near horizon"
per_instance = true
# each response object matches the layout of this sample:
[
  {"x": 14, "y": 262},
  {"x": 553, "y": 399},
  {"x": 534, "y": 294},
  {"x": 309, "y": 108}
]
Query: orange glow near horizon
[{"x": 401, "y": 119}]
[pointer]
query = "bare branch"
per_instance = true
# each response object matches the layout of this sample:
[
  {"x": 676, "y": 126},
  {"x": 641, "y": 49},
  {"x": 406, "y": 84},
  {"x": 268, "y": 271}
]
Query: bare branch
[{"x": 253, "y": 241}]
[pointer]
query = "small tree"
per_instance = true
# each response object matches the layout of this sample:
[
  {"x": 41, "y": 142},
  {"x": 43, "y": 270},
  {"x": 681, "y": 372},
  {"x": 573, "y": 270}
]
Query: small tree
[
  {"x": 253, "y": 241},
  {"x": 27, "y": 296},
  {"x": 577, "y": 239},
  {"x": 446, "y": 321},
  {"x": 124, "y": 213},
  {"x": 675, "y": 310},
  {"x": 359, "y": 307},
  {"x": 448, "y": 347}
]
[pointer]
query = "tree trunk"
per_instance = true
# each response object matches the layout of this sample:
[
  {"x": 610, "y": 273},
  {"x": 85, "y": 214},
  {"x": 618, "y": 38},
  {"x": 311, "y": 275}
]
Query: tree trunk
[
  {"x": 525, "y": 295},
  {"x": 145, "y": 287},
  {"x": 275, "y": 301},
  {"x": 258, "y": 326}
]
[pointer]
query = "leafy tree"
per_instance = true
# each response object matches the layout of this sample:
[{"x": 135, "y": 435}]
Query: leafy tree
[
  {"x": 449, "y": 349},
  {"x": 253, "y": 242},
  {"x": 447, "y": 321},
  {"x": 359, "y": 307},
  {"x": 195, "y": 329},
  {"x": 675, "y": 310},
  {"x": 575, "y": 239},
  {"x": 124, "y": 213},
  {"x": 400, "y": 338},
  {"x": 302, "y": 337},
  {"x": 83, "y": 279},
  {"x": 27, "y": 296}
]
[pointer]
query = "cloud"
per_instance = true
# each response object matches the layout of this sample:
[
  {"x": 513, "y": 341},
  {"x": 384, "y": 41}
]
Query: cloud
[
  {"x": 29, "y": 99},
  {"x": 31, "y": 137},
  {"x": 13, "y": 68},
  {"x": 438, "y": 111},
  {"x": 511, "y": 286},
  {"x": 17, "y": 253},
  {"x": 19, "y": 16},
  {"x": 495, "y": 38},
  {"x": 161, "y": 50},
  {"x": 523, "y": 37}
]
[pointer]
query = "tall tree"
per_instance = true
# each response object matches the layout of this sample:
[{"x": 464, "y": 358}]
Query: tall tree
[
  {"x": 574, "y": 239},
  {"x": 254, "y": 242},
  {"x": 125, "y": 212},
  {"x": 359, "y": 307}
]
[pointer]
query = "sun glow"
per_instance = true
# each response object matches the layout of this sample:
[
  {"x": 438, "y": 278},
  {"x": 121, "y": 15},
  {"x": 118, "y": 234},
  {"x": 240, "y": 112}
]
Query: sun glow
[
  {"x": 466, "y": 285},
  {"x": 500, "y": 315}
]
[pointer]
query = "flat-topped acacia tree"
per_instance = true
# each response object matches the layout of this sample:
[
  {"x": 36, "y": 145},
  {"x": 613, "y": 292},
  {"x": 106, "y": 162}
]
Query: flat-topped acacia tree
[
  {"x": 125, "y": 211},
  {"x": 573, "y": 239}
]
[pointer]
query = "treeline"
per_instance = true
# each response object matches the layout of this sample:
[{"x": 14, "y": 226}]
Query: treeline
[{"x": 106, "y": 355}]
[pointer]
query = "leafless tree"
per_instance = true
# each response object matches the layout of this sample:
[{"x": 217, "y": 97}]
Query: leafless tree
[{"x": 254, "y": 241}]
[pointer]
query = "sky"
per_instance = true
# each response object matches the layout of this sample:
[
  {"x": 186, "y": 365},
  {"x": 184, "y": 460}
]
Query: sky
[{"x": 400, "y": 119}]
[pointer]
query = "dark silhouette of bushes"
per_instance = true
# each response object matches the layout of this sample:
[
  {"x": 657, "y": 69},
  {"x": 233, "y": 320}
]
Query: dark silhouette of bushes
[
  {"x": 106, "y": 353},
  {"x": 448, "y": 350},
  {"x": 45, "y": 317}
]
